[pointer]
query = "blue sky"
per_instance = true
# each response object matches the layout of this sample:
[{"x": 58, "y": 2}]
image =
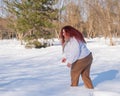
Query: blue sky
[
  {"x": 59, "y": 5},
  {"x": 1, "y": 9}
]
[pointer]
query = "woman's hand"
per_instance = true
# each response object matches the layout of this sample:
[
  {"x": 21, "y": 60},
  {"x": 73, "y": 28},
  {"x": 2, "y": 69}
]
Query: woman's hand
[
  {"x": 69, "y": 65},
  {"x": 63, "y": 60}
]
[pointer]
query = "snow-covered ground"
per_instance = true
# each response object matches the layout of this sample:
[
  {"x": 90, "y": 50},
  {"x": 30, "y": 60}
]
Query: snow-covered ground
[{"x": 39, "y": 72}]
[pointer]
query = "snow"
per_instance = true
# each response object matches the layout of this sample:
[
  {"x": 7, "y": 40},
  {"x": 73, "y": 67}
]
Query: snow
[{"x": 39, "y": 72}]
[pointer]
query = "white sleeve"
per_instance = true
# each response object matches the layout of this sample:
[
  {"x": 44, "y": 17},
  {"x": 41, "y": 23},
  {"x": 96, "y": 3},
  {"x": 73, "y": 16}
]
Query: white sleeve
[{"x": 73, "y": 51}]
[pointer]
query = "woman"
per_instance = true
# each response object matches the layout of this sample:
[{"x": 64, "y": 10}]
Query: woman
[{"x": 77, "y": 56}]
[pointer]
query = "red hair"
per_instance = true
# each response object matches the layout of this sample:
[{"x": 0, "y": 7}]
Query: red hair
[{"x": 72, "y": 32}]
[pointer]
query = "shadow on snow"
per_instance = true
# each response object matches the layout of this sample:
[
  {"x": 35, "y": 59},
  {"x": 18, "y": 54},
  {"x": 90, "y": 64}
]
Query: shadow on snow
[{"x": 104, "y": 76}]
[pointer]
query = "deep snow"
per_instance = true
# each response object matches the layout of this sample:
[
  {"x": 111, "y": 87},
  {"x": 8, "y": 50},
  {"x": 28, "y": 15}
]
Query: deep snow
[{"x": 39, "y": 72}]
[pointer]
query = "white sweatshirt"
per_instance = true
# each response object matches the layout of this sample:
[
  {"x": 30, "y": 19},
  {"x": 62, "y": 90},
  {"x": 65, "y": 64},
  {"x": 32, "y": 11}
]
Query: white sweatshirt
[{"x": 74, "y": 50}]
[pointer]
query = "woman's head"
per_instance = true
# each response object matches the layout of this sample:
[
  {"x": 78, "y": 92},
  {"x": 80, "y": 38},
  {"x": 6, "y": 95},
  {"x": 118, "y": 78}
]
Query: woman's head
[{"x": 69, "y": 31}]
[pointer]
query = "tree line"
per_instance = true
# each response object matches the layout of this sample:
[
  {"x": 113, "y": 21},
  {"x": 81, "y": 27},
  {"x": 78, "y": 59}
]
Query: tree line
[
  {"x": 33, "y": 19},
  {"x": 97, "y": 18}
]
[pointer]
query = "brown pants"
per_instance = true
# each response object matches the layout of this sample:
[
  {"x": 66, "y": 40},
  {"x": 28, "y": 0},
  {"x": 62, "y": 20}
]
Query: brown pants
[{"x": 82, "y": 67}]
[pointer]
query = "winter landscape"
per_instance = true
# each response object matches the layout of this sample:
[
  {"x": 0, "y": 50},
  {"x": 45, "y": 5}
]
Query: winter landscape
[{"x": 39, "y": 72}]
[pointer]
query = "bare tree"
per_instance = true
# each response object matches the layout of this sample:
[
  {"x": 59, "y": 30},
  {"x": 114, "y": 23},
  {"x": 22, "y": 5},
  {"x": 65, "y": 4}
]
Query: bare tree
[
  {"x": 71, "y": 15},
  {"x": 103, "y": 18}
]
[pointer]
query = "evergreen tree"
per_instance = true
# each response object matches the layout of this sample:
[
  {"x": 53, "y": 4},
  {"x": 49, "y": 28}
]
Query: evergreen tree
[{"x": 32, "y": 17}]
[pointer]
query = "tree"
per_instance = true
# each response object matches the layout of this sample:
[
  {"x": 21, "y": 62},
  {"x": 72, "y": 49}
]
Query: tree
[
  {"x": 103, "y": 18},
  {"x": 71, "y": 15},
  {"x": 32, "y": 17}
]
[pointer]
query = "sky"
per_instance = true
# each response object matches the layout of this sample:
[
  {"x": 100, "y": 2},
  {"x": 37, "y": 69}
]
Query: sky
[
  {"x": 1, "y": 10},
  {"x": 59, "y": 5},
  {"x": 39, "y": 72}
]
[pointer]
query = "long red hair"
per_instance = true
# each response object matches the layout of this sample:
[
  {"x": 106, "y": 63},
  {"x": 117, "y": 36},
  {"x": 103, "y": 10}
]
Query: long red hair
[{"x": 72, "y": 32}]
